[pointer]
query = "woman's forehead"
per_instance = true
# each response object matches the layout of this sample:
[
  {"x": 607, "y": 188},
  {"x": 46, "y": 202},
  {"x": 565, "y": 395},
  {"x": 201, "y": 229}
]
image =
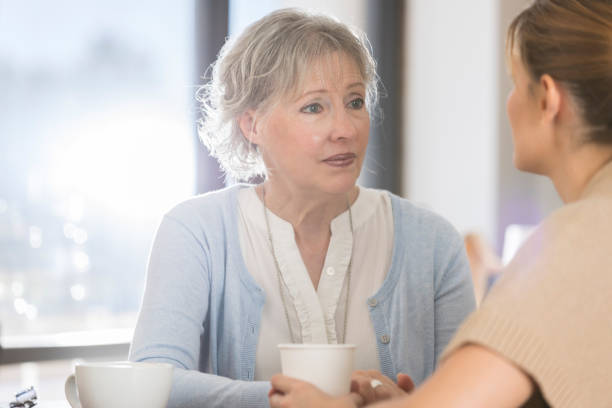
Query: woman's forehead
[{"x": 328, "y": 72}]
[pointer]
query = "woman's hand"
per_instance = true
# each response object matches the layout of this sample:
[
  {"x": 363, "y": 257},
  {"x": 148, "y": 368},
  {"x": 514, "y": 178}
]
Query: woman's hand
[
  {"x": 288, "y": 392},
  {"x": 373, "y": 386}
]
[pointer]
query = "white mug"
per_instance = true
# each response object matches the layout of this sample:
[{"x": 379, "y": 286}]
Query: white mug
[
  {"x": 121, "y": 384},
  {"x": 328, "y": 366}
]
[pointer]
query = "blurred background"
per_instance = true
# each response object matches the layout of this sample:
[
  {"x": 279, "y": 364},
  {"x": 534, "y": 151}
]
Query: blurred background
[{"x": 98, "y": 140}]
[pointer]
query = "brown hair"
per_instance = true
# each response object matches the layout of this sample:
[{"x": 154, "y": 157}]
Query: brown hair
[{"x": 571, "y": 40}]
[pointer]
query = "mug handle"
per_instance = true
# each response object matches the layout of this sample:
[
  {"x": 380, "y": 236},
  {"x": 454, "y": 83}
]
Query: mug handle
[{"x": 70, "y": 389}]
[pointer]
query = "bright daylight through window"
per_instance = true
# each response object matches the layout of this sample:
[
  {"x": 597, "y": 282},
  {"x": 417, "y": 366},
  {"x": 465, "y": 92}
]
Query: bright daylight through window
[{"x": 96, "y": 129}]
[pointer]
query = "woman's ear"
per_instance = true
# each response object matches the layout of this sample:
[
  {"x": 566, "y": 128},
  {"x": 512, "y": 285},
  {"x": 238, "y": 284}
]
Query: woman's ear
[
  {"x": 550, "y": 98},
  {"x": 248, "y": 125}
]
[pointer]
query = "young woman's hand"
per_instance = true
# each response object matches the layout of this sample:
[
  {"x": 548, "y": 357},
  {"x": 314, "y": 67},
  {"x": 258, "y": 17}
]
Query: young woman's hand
[
  {"x": 288, "y": 392},
  {"x": 373, "y": 386}
]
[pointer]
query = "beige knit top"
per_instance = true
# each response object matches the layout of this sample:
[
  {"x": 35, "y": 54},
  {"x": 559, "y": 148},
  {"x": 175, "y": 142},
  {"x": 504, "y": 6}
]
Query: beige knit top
[{"x": 551, "y": 310}]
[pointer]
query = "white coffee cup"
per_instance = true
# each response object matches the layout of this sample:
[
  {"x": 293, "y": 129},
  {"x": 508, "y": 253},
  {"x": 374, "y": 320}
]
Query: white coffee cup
[
  {"x": 121, "y": 384},
  {"x": 328, "y": 366}
]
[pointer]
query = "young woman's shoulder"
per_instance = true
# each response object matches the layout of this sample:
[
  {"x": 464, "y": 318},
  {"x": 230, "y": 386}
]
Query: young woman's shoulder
[{"x": 583, "y": 224}]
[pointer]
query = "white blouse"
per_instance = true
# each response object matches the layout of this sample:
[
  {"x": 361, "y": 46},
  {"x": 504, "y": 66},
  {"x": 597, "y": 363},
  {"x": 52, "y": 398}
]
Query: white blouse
[{"x": 317, "y": 315}]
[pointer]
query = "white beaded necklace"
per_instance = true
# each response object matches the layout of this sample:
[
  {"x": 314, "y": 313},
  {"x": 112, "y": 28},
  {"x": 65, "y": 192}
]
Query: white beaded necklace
[{"x": 280, "y": 280}]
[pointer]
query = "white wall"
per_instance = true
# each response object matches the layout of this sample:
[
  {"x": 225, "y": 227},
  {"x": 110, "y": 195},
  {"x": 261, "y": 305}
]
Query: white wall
[
  {"x": 243, "y": 12},
  {"x": 450, "y": 120}
]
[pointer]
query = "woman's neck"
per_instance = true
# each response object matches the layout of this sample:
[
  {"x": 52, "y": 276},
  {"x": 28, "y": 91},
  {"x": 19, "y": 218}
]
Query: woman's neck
[
  {"x": 576, "y": 167},
  {"x": 307, "y": 211}
]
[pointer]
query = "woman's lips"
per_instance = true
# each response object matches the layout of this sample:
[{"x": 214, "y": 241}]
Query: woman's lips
[{"x": 341, "y": 160}]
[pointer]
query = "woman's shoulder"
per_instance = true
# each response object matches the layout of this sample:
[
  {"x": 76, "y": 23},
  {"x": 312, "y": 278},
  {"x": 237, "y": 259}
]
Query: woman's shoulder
[
  {"x": 208, "y": 203},
  {"x": 212, "y": 211},
  {"x": 582, "y": 213},
  {"x": 571, "y": 232},
  {"x": 583, "y": 222},
  {"x": 570, "y": 245},
  {"x": 413, "y": 218}
]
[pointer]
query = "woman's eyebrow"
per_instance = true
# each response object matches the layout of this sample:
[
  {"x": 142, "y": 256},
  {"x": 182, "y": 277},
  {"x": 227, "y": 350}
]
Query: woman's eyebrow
[
  {"x": 356, "y": 85},
  {"x": 325, "y": 90},
  {"x": 322, "y": 90}
]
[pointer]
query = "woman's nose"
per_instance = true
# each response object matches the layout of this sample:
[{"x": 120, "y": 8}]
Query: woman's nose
[{"x": 343, "y": 126}]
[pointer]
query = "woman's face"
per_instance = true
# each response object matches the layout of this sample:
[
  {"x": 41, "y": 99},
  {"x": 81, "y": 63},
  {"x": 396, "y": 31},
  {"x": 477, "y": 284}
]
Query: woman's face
[
  {"x": 316, "y": 138},
  {"x": 524, "y": 115}
]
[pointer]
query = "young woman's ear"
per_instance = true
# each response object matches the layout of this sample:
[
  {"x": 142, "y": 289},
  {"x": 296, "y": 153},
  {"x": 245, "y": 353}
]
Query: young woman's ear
[
  {"x": 550, "y": 99},
  {"x": 248, "y": 125}
]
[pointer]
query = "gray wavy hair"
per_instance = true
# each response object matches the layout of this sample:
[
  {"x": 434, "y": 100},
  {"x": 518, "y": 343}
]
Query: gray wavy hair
[{"x": 264, "y": 63}]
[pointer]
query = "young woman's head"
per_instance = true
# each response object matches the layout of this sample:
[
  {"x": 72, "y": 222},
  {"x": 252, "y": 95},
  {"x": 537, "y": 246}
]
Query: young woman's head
[
  {"x": 265, "y": 65},
  {"x": 569, "y": 44}
]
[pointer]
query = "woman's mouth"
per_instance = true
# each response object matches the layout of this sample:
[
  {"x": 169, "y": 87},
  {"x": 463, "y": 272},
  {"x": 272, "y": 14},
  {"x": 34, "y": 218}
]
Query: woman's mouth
[{"x": 341, "y": 160}]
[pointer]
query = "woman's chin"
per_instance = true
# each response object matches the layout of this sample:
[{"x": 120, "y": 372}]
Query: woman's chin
[{"x": 528, "y": 166}]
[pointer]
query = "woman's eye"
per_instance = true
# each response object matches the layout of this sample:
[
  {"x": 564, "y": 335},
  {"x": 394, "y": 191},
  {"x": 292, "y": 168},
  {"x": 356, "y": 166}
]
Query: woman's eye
[
  {"x": 357, "y": 103},
  {"x": 312, "y": 108}
]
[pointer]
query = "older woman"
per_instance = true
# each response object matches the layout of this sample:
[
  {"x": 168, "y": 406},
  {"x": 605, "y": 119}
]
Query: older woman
[
  {"x": 306, "y": 256},
  {"x": 543, "y": 335}
]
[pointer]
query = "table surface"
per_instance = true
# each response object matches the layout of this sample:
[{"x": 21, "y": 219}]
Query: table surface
[
  {"x": 46, "y": 377},
  {"x": 42, "y": 404}
]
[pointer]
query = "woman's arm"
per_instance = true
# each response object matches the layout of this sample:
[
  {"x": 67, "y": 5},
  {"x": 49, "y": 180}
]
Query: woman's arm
[
  {"x": 173, "y": 323},
  {"x": 471, "y": 377}
]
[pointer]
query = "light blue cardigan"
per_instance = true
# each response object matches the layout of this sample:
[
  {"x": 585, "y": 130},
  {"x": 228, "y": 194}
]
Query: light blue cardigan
[{"x": 201, "y": 309}]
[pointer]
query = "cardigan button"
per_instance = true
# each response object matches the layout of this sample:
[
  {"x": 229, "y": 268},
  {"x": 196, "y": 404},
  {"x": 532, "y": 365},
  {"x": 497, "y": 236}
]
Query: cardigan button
[
  {"x": 330, "y": 271},
  {"x": 372, "y": 302},
  {"x": 384, "y": 339}
]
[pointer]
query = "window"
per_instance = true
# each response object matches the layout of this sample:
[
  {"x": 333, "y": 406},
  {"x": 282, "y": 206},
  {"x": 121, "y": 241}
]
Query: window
[{"x": 96, "y": 130}]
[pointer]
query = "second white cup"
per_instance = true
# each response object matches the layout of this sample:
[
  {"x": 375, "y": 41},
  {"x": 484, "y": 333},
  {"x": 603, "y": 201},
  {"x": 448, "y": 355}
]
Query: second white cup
[
  {"x": 328, "y": 366},
  {"x": 120, "y": 384}
]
